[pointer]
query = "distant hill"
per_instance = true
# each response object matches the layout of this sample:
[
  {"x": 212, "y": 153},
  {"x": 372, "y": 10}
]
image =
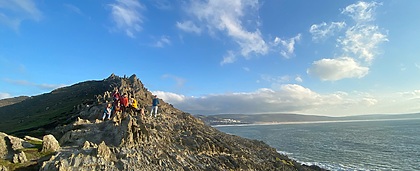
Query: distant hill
[
  {"x": 10, "y": 101},
  {"x": 48, "y": 110},
  {"x": 227, "y": 119}
]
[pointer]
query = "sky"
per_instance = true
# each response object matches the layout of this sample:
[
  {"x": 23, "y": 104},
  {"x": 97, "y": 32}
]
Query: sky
[{"x": 332, "y": 58}]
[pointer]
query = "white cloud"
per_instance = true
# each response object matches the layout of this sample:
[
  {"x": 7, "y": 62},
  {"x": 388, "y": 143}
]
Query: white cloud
[
  {"x": 362, "y": 41},
  {"x": 287, "y": 46},
  {"x": 324, "y": 30},
  {"x": 230, "y": 57},
  {"x": 298, "y": 79},
  {"x": 162, "y": 4},
  {"x": 286, "y": 98},
  {"x": 228, "y": 18},
  {"x": 127, "y": 16},
  {"x": 359, "y": 44},
  {"x": 41, "y": 86},
  {"x": 162, "y": 42},
  {"x": 336, "y": 69},
  {"x": 4, "y": 95},
  {"x": 361, "y": 11},
  {"x": 12, "y": 13},
  {"x": 170, "y": 97},
  {"x": 188, "y": 26}
]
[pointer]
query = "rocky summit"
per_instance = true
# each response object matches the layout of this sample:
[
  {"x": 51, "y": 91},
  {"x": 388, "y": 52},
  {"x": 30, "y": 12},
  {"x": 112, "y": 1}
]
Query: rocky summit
[{"x": 174, "y": 140}]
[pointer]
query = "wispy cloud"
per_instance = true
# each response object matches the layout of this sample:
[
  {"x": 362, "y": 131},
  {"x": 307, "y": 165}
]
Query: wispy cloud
[
  {"x": 362, "y": 41},
  {"x": 127, "y": 16},
  {"x": 323, "y": 30},
  {"x": 40, "y": 86},
  {"x": 287, "y": 47},
  {"x": 188, "y": 26},
  {"x": 12, "y": 13},
  {"x": 361, "y": 11},
  {"x": 162, "y": 42},
  {"x": 4, "y": 95},
  {"x": 73, "y": 9},
  {"x": 298, "y": 79},
  {"x": 359, "y": 44},
  {"x": 337, "y": 69},
  {"x": 230, "y": 57},
  {"x": 162, "y": 4},
  {"x": 237, "y": 20},
  {"x": 179, "y": 82}
]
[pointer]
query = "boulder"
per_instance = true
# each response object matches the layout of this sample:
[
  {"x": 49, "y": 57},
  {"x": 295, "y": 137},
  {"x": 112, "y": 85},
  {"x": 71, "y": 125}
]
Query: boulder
[
  {"x": 3, "y": 146},
  {"x": 9, "y": 145},
  {"x": 103, "y": 151},
  {"x": 50, "y": 144}
]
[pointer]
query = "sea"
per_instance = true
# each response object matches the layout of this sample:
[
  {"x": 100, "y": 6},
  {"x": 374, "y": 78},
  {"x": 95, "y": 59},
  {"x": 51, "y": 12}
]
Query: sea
[{"x": 342, "y": 146}]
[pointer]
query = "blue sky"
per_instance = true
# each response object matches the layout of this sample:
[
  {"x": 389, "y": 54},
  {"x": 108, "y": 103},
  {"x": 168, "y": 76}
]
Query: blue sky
[{"x": 329, "y": 57}]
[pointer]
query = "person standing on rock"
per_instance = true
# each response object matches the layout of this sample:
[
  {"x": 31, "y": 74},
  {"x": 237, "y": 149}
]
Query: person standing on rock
[
  {"x": 155, "y": 104},
  {"x": 124, "y": 102},
  {"x": 107, "y": 111}
]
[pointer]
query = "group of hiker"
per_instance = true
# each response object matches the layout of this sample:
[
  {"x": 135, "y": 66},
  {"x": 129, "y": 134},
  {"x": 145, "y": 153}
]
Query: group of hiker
[{"x": 123, "y": 103}]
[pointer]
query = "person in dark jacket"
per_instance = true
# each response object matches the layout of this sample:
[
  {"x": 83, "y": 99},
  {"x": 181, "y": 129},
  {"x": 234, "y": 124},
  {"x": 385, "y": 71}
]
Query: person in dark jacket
[{"x": 155, "y": 104}]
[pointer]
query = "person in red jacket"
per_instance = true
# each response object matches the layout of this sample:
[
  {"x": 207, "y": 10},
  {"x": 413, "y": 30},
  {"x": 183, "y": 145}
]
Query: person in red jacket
[{"x": 124, "y": 102}]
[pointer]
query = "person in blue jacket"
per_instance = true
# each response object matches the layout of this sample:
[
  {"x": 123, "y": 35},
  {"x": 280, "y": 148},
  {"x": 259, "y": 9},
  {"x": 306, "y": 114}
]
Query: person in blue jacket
[{"x": 155, "y": 104}]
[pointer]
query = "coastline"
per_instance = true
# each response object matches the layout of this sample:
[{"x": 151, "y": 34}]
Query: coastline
[{"x": 310, "y": 122}]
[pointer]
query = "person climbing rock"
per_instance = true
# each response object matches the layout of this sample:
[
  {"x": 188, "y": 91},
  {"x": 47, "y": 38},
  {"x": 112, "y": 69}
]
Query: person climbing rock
[{"x": 155, "y": 104}]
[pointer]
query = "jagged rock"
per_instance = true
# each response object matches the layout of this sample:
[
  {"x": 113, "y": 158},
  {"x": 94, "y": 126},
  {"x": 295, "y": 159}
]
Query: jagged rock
[
  {"x": 103, "y": 151},
  {"x": 19, "y": 157},
  {"x": 3, "y": 168},
  {"x": 15, "y": 142},
  {"x": 50, "y": 144}
]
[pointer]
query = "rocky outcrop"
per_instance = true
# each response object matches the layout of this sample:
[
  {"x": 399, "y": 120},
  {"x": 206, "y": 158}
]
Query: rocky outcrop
[
  {"x": 3, "y": 168},
  {"x": 9, "y": 146},
  {"x": 50, "y": 144},
  {"x": 173, "y": 141}
]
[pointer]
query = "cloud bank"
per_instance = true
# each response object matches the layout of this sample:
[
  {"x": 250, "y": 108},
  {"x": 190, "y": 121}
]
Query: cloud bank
[
  {"x": 286, "y": 98},
  {"x": 4, "y": 95}
]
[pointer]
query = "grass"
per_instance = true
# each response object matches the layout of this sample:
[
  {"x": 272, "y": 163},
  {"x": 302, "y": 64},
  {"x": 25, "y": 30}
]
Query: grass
[{"x": 32, "y": 154}]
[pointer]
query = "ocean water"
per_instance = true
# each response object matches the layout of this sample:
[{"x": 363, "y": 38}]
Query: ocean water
[{"x": 367, "y": 145}]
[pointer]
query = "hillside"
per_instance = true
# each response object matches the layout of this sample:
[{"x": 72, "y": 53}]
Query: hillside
[{"x": 174, "y": 140}]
